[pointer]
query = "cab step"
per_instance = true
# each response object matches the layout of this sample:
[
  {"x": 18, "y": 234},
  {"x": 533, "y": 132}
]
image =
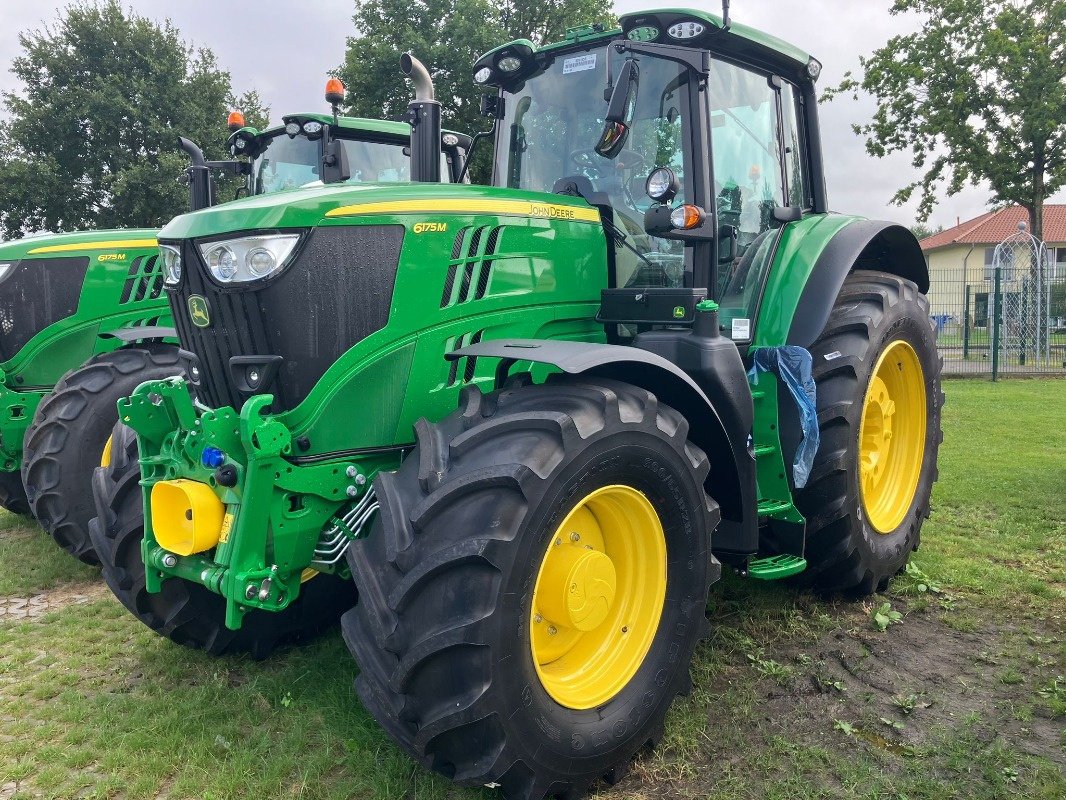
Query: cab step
[{"x": 774, "y": 568}]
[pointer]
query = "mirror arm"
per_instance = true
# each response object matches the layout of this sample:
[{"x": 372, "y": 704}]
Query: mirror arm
[{"x": 473, "y": 144}]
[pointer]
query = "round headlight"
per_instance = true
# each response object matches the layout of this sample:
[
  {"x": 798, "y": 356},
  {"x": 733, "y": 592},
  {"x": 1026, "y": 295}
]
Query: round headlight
[
  {"x": 662, "y": 185},
  {"x": 260, "y": 261},
  {"x": 171, "y": 257},
  {"x": 451, "y": 139},
  {"x": 292, "y": 128},
  {"x": 222, "y": 262},
  {"x": 240, "y": 144},
  {"x": 814, "y": 68},
  {"x": 482, "y": 75},
  {"x": 312, "y": 127},
  {"x": 509, "y": 63}
]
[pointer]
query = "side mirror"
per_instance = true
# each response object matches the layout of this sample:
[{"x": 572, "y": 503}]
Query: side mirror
[
  {"x": 620, "y": 111},
  {"x": 335, "y": 167},
  {"x": 727, "y": 244}
]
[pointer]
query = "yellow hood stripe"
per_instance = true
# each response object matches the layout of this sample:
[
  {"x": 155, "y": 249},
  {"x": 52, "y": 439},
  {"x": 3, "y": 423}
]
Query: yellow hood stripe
[
  {"x": 114, "y": 244},
  {"x": 522, "y": 208}
]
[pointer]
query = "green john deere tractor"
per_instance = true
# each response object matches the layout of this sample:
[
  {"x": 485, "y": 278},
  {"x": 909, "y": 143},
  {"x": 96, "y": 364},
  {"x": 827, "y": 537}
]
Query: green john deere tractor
[
  {"x": 84, "y": 320},
  {"x": 514, "y": 424}
]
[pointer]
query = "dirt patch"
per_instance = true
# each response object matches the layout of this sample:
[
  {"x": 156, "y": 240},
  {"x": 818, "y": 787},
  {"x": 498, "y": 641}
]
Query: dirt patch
[
  {"x": 921, "y": 692},
  {"x": 37, "y": 605}
]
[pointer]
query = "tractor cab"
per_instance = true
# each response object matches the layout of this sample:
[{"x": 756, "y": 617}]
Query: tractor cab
[
  {"x": 290, "y": 156},
  {"x": 665, "y": 114}
]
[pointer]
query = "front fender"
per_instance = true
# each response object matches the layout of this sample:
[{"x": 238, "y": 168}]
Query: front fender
[{"x": 732, "y": 477}]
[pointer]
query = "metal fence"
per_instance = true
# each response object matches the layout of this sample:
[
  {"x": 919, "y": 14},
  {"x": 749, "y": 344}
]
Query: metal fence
[{"x": 1008, "y": 321}]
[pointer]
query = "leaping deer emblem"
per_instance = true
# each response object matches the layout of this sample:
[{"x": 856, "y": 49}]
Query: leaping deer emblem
[{"x": 198, "y": 311}]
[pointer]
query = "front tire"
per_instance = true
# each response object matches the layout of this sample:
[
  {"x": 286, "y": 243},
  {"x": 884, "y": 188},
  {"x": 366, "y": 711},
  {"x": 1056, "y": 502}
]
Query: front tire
[
  {"x": 13, "y": 493},
  {"x": 505, "y": 512},
  {"x": 185, "y": 612},
  {"x": 879, "y": 398},
  {"x": 64, "y": 443}
]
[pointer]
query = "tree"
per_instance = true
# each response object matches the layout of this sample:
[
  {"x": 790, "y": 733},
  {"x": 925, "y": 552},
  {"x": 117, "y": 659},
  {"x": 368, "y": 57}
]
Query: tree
[
  {"x": 978, "y": 93},
  {"x": 447, "y": 36},
  {"x": 923, "y": 231},
  {"x": 91, "y": 140}
]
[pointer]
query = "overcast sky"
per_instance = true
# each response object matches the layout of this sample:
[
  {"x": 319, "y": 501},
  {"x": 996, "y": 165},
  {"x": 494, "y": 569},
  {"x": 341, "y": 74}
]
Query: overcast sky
[{"x": 283, "y": 48}]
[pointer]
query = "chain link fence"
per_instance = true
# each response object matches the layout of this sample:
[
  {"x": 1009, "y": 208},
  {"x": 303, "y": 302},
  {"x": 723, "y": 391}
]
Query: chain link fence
[{"x": 1005, "y": 317}]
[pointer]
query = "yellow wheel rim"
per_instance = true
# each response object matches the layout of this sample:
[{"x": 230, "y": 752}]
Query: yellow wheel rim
[
  {"x": 105, "y": 457},
  {"x": 892, "y": 436},
  {"x": 598, "y": 598}
]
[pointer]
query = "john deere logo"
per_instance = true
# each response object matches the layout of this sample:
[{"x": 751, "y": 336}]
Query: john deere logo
[
  {"x": 198, "y": 312},
  {"x": 679, "y": 312}
]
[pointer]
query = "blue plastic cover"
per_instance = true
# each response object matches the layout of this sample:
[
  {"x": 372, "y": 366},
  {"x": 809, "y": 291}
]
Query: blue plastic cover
[{"x": 792, "y": 365}]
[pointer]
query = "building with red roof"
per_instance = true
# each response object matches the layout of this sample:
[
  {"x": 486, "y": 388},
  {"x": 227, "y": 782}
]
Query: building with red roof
[{"x": 961, "y": 260}]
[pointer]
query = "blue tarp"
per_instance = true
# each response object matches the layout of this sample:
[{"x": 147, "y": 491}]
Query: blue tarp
[{"x": 792, "y": 366}]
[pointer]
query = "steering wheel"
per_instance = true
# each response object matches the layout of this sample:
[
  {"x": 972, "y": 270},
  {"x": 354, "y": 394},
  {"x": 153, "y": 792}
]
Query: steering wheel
[{"x": 589, "y": 159}]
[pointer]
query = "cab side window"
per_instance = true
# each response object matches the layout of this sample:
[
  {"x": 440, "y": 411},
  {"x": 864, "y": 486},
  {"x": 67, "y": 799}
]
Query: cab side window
[{"x": 746, "y": 148}]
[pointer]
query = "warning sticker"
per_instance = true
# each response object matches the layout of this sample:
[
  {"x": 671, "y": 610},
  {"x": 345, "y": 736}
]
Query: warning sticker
[
  {"x": 579, "y": 63},
  {"x": 741, "y": 328}
]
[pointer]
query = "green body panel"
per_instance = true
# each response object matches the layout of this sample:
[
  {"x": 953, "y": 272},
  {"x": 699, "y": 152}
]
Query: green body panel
[
  {"x": 29, "y": 374},
  {"x": 547, "y": 274}
]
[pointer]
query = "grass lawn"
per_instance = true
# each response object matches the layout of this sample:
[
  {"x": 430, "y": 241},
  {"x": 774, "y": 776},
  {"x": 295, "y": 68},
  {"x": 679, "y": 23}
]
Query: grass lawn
[{"x": 794, "y": 697}]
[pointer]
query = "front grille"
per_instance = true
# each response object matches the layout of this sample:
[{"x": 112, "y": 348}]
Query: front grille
[
  {"x": 37, "y": 293},
  {"x": 336, "y": 293}
]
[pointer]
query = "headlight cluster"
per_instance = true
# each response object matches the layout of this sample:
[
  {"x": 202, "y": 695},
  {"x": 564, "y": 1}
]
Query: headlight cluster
[
  {"x": 171, "y": 257},
  {"x": 249, "y": 258},
  {"x": 312, "y": 128}
]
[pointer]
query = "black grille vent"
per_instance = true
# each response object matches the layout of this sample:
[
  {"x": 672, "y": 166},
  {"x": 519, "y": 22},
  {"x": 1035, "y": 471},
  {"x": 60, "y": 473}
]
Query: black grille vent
[
  {"x": 336, "y": 293},
  {"x": 470, "y": 366},
  {"x": 144, "y": 281},
  {"x": 36, "y": 293},
  {"x": 473, "y": 254}
]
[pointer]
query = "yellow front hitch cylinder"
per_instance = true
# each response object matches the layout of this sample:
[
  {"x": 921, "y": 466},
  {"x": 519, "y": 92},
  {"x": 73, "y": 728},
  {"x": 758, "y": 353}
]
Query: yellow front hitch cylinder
[{"x": 186, "y": 516}]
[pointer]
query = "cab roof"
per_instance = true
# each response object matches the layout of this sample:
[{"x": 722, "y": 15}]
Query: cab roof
[{"x": 738, "y": 41}]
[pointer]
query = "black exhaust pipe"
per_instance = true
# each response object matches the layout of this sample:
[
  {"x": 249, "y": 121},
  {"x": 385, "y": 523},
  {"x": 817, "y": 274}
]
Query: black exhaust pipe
[
  {"x": 424, "y": 116},
  {"x": 199, "y": 175}
]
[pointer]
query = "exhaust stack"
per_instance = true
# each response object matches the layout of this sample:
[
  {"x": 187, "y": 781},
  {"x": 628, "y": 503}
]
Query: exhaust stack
[
  {"x": 424, "y": 115},
  {"x": 201, "y": 191}
]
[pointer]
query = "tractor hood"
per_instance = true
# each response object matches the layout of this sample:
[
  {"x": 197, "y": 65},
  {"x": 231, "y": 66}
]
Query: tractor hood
[
  {"x": 53, "y": 245},
  {"x": 307, "y": 208}
]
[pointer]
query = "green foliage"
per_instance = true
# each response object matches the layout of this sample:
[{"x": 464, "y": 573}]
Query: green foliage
[
  {"x": 91, "y": 139},
  {"x": 977, "y": 94},
  {"x": 923, "y": 231},
  {"x": 884, "y": 615},
  {"x": 447, "y": 36}
]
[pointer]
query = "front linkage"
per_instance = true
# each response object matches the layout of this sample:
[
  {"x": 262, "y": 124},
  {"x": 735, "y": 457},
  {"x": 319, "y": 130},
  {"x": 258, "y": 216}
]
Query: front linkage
[{"x": 223, "y": 480}]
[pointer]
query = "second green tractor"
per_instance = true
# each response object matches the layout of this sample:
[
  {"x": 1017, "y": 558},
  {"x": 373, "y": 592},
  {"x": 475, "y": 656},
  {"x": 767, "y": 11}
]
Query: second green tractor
[{"x": 511, "y": 434}]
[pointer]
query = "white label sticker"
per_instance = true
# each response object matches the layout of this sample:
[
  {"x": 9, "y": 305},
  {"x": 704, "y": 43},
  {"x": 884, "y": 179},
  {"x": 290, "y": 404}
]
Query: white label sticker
[
  {"x": 741, "y": 328},
  {"x": 579, "y": 63},
  {"x": 834, "y": 354}
]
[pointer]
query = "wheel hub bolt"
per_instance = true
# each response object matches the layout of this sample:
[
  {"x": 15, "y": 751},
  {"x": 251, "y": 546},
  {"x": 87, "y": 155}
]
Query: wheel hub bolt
[
  {"x": 575, "y": 537},
  {"x": 538, "y": 619},
  {"x": 552, "y": 630}
]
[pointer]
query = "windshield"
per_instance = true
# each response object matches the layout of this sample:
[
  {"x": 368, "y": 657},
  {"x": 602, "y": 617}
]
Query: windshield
[
  {"x": 289, "y": 163},
  {"x": 552, "y": 124}
]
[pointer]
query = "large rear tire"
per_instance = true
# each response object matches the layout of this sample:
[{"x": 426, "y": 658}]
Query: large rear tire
[
  {"x": 184, "y": 612},
  {"x": 64, "y": 443},
  {"x": 879, "y": 398},
  {"x": 13, "y": 493},
  {"x": 539, "y": 535}
]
